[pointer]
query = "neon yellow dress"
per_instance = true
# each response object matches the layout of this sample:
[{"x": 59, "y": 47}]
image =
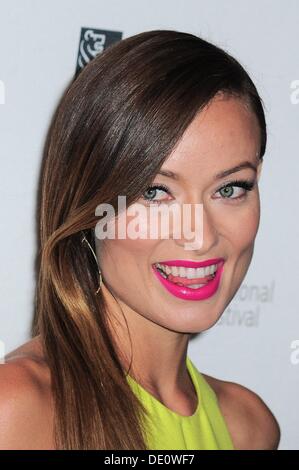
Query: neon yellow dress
[{"x": 167, "y": 430}]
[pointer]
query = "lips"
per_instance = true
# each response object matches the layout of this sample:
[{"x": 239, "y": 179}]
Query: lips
[{"x": 183, "y": 291}]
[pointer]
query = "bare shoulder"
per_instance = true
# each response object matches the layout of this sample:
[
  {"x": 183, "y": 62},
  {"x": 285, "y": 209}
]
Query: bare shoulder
[
  {"x": 250, "y": 422},
  {"x": 26, "y": 408}
]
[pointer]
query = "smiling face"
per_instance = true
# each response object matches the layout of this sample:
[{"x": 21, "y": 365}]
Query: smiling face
[{"x": 221, "y": 137}]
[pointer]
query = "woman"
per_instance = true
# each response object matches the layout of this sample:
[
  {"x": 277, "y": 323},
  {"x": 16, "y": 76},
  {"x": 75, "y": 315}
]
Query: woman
[{"x": 161, "y": 117}]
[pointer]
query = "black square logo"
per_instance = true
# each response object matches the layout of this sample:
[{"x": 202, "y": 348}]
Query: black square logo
[{"x": 93, "y": 42}]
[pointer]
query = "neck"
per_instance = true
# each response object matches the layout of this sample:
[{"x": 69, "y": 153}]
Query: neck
[{"x": 153, "y": 355}]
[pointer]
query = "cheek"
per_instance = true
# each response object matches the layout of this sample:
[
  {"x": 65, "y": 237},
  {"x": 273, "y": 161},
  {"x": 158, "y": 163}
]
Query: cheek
[
  {"x": 121, "y": 258},
  {"x": 239, "y": 225},
  {"x": 126, "y": 269},
  {"x": 126, "y": 252}
]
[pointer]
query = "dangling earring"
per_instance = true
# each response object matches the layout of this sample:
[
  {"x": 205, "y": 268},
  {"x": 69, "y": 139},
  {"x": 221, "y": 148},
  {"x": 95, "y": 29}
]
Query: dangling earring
[{"x": 84, "y": 239}]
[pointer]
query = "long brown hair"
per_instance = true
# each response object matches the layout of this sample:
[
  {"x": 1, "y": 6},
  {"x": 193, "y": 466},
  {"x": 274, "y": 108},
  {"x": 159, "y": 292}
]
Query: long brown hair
[{"x": 112, "y": 130}]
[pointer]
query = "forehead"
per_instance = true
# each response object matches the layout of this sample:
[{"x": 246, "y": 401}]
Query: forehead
[{"x": 225, "y": 133}]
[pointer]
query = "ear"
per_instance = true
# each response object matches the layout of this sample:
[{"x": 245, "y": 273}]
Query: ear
[{"x": 259, "y": 169}]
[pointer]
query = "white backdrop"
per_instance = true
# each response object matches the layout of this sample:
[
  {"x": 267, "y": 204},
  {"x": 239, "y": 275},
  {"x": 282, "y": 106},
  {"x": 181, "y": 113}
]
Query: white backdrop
[{"x": 256, "y": 342}]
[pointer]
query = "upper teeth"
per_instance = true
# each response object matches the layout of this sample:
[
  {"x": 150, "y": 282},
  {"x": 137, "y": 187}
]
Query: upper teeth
[{"x": 190, "y": 273}]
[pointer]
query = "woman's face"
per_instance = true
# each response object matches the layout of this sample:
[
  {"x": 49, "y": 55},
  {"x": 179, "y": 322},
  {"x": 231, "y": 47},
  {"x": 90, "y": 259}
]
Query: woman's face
[{"x": 223, "y": 136}]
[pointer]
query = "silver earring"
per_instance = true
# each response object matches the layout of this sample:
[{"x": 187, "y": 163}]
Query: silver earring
[{"x": 84, "y": 239}]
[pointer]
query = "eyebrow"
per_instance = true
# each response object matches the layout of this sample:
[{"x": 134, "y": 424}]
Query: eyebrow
[{"x": 222, "y": 174}]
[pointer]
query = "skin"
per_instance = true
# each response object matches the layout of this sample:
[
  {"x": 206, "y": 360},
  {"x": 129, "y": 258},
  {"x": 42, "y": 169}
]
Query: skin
[{"x": 222, "y": 136}]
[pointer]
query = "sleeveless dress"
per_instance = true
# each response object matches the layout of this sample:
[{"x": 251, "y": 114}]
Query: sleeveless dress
[{"x": 168, "y": 430}]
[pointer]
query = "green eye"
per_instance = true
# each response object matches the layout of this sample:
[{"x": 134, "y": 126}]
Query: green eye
[
  {"x": 150, "y": 193},
  {"x": 227, "y": 191}
]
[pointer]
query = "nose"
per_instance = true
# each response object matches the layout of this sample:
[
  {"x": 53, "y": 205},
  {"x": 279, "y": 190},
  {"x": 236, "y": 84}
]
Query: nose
[{"x": 203, "y": 228}]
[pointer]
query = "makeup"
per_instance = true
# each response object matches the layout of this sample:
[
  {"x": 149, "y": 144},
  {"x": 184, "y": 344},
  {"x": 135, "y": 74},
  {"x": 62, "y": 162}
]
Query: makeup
[{"x": 177, "y": 277}]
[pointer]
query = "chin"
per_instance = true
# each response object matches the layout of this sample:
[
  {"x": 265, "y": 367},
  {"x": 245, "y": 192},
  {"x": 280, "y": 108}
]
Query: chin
[{"x": 191, "y": 323}]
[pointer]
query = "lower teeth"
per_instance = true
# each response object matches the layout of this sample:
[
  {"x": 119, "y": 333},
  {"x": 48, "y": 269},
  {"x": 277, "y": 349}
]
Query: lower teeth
[{"x": 196, "y": 286}]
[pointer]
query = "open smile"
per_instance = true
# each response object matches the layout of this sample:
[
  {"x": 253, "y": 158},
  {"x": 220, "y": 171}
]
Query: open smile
[{"x": 190, "y": 280}]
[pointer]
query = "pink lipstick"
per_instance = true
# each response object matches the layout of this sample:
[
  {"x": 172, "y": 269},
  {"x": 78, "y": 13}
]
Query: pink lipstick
[{"x": 178, "y": 286}]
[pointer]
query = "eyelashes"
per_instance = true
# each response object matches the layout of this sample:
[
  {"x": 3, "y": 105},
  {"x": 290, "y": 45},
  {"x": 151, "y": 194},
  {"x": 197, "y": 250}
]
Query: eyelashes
[
  {"x": 244, "y": 184},
  {"x": 159, "y": 187},
  {"x": 247, "y": 185}
]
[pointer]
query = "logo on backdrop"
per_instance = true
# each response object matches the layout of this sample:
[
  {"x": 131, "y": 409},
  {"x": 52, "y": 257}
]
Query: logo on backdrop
[
  {"x": 93, "y": 42},
  {"x": 249, "y": 305}
]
